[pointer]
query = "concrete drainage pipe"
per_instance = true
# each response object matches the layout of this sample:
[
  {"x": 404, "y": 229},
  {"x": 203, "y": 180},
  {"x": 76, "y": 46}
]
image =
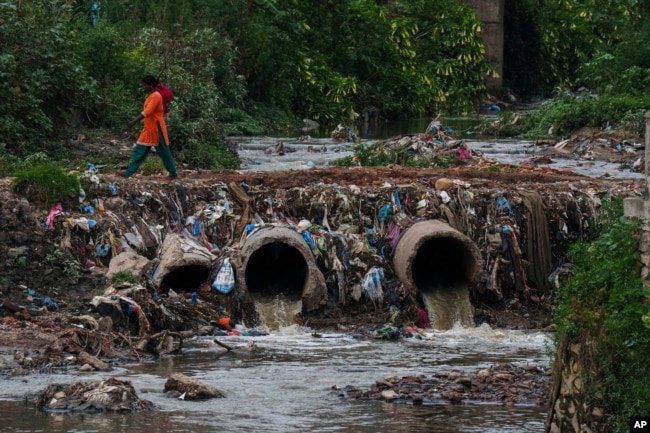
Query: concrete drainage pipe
[
  {"x": 184, "y": 264},
  {"x": 277, "y": 260},
  {"x": 431, "y": 255}
]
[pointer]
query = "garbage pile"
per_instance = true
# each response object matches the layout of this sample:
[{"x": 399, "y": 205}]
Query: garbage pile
[
  {"x": 508, "y": 384},
  {"x": 343, "y": 134},
  {"x": 603, "y": 145},
  {"x": 171, "y": 253},
  {"x": 436, "y": 142},
  {"x": 110, "y": 395}
]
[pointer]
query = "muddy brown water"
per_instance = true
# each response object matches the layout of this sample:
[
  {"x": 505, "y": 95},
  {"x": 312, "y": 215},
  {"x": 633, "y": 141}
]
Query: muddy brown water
[{"x": 285, "y": 384}]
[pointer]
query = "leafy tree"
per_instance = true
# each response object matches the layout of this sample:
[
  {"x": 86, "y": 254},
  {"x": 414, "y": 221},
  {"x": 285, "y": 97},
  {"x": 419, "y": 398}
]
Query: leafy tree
[
  {"x": 623, "y": 68},
  {"x": 449, "y": 61},
  {"x": 43, "y": 79},
  {"x": 574, "y": 32}
]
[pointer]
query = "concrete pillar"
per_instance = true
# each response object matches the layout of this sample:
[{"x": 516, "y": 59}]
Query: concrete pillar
[
  {"x": 639, "y": 207},
  {"x": 647, "y": 150},
  {"x": 490, "y": 12}
]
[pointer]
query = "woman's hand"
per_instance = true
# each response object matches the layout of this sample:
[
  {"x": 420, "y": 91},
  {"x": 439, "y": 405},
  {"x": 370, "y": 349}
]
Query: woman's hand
[{"x": 136, "y": 120}]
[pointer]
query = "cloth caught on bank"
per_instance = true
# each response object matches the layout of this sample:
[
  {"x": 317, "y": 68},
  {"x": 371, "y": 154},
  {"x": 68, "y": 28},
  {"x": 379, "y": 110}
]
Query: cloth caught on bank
[
  {"x": 224, "y": 322},
  {"x": 154, "y": 118},
  {"x": 538, "y": 246},
  {"x": 224, "y": 281},
  {"x": 56, "y": 210},
  {"x": 423, "y": 319}
]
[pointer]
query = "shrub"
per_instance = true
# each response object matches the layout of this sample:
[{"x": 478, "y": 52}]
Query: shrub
[
  {"x": 210, "y": 155},
  {"x": 46, "y": 183},
  {"x": 569, "y": 113},
  {"x": 605, "y": 299},
  {"x": 152, "y": 165},
  {"x": 124, "y": 277}
]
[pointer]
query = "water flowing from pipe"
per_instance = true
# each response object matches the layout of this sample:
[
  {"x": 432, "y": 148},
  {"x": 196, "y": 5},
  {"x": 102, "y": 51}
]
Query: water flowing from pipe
[
  {"x": 277, "y": 311},
  {"x": 448, "y": 306}
]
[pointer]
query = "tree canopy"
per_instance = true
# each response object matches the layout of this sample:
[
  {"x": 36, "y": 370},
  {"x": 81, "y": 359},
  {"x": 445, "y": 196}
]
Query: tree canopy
[{"x": 248, "y": 66}]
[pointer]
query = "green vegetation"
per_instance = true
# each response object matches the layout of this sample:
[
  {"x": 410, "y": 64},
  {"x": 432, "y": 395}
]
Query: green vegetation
[
  {"x": 592, "y": 58},
  {"x": 235, "y": 67},
  {"x": 46, "y": 183},
  {"x": 568, "y": 113},
  {"x": 243, "y": 67},
  {"x": 124, "y": 277},
  {"x": 367, "y": 155},
  {"x": 605, "y": 300},
  {"x": 152, "y": 166},
  {"x": 72, "y": 269}
]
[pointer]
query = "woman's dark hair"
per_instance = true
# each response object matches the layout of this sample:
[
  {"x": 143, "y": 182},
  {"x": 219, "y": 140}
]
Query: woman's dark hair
[{"x": 150, "y": 79}]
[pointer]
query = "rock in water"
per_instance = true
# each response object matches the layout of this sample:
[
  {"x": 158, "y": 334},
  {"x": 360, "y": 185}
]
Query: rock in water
[{"x": 111, "y": 395}]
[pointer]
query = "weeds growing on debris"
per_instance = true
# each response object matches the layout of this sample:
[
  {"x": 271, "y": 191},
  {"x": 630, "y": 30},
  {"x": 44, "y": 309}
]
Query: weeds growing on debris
[
  {"x": 366, "y": 155},
  {"x": 124, "y": 277},
  {"x": 569, "y": 113},
  {"x": 46, "y": 182}
]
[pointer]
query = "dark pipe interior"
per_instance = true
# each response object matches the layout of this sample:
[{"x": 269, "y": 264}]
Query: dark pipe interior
[
  {"x": 276, "y": 268},
  {"x": 442, "y": 262},
  {"x": 185, "y": 279}
]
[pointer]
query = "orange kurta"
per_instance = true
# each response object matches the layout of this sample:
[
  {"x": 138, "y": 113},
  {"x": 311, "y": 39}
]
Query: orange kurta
[{"x": 153, "y": 116}]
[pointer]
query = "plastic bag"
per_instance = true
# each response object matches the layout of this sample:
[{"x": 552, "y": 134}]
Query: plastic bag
[
  {"x": 224, "y": 281},
  {"x": 371, "y": 285}
]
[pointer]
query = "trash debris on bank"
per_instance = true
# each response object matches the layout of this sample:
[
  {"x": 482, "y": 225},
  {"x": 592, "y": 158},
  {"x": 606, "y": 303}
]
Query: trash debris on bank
[
  {"x": 508, "y": 384},
  {"x": 110, "y": 395},
  {"x": 182, "y": 245},
  {"x": 116, "y": 395},
  {"x": 188, "y": 388}
]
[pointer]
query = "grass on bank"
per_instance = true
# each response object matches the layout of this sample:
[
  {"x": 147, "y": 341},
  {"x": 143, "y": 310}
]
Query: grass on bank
[
  {"x": 569, "y": 112},
  {"x": 42, "y": 181}
]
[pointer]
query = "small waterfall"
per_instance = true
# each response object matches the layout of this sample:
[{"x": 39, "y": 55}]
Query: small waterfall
[
  {"x": 448, "y": 306},
  {"x": 277, "y": 311}
]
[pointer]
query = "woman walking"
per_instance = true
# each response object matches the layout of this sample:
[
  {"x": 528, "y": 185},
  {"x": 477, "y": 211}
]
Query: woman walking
[{"x": 154, "y": 132}]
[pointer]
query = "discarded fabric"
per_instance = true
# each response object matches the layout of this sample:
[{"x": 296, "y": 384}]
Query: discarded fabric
[{"x": 56, "y": 210}]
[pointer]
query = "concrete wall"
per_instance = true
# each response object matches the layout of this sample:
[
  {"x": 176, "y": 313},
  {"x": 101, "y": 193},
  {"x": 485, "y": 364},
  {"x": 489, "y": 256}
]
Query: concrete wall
[
  {"x": 568, "y": 410},
  {"x": 491, "y": 13},
  {"x": 639, "y": 207}
]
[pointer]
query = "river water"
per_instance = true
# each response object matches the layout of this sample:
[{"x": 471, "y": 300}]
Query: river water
[
  {"x": 284, "y": 384},
  {"x": 303, "y": 150}
]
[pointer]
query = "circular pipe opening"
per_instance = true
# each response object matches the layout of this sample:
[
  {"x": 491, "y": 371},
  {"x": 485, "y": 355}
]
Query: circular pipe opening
[
  {"x": 431, "y": 254},
  {"x": 185, "y": 279},
  {"x": 437, "y": 262},
  {"x": 276, "y": 268},
  {"x": 442, "y": 262}
]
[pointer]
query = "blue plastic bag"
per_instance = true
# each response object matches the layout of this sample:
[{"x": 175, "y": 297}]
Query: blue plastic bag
[{"x": 224, "y": 281}]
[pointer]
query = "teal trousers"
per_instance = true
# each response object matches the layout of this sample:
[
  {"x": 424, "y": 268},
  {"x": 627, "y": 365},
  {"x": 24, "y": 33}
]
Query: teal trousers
[{"x": 140, "y": 153}]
